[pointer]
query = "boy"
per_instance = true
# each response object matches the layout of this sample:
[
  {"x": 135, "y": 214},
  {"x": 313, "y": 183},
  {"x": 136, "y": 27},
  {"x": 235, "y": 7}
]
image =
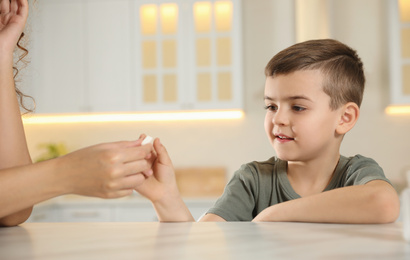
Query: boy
[{"x": 313, "y": 92}]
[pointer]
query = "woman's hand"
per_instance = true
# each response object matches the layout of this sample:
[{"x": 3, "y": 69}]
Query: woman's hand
[
  {"x": 13, "y": 17},
  {"x": 108, "y": 170}
]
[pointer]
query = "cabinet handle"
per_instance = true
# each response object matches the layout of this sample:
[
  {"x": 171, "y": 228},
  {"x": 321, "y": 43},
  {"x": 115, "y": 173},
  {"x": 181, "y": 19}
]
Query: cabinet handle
[
  {"x": 80, "y": 214},
  {"x": 39, "y": 217}
]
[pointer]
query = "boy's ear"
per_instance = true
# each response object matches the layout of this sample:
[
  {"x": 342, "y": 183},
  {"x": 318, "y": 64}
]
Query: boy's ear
[{"x": 348, "y": 117}]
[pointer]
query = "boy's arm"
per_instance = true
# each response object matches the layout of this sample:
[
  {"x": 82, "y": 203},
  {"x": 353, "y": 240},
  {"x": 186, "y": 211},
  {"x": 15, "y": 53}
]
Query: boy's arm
[
  {"x": 161, "y": 188},
  {"x": 212, "y": 218},
  {"x": 373, "y": 203}
]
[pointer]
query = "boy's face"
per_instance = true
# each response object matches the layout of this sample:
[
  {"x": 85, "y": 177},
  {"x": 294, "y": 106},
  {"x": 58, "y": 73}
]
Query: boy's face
[{"x": 299, "y": 122}]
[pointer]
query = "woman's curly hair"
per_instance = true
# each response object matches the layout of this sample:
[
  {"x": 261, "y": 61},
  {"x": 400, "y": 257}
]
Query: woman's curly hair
[{"x": 23, "y": 52}]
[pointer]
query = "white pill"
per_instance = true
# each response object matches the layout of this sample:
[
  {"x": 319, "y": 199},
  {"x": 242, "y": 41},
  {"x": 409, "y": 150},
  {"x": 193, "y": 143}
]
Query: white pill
[{"x": 147, "y": 140}]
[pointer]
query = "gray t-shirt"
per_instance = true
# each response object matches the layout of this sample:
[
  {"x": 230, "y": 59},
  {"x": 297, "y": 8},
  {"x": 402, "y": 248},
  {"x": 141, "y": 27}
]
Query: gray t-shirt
[{"x": 258, "y": 185}]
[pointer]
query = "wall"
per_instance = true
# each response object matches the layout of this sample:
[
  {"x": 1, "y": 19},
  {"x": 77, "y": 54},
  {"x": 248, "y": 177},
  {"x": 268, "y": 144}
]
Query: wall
[
  {"x": 267, "y": 28},
  {"x": 363, "y": 25}
]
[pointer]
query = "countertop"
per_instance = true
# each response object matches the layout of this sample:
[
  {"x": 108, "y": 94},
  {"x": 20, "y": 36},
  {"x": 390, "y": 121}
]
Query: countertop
[{"x": 231, "y": 240}]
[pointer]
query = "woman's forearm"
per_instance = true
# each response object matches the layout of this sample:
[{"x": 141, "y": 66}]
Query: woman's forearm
[
  {"x": 24, "y": 186},
  {"x": 13, "y": 148}
]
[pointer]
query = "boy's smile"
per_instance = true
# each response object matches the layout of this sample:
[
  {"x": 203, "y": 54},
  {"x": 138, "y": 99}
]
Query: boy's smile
[
  {"x": 299, "y": 121},
  {"x": 283, "y": 138}
]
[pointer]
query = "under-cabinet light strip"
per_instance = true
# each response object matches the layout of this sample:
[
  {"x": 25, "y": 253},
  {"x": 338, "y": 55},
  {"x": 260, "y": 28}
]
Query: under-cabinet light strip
[
  {"x": 398, "y": 110},
  {"x": 130, "y": 117}
]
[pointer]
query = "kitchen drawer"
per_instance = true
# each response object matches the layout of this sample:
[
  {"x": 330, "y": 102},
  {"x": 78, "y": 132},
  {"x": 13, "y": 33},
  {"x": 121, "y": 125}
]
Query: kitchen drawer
[
  {"x": 136, "y": 213},
  {"x": 43, "y": 214},
  {"x": 86, "y": 214},
  {"x": 97, "y": 210}
]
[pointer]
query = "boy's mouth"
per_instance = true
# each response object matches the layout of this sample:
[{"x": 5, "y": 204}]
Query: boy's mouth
[{"x": 281, "y": 137}]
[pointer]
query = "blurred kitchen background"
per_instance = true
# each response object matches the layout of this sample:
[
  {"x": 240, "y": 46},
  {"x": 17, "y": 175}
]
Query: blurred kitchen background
[{"x": 118, "y": 59}]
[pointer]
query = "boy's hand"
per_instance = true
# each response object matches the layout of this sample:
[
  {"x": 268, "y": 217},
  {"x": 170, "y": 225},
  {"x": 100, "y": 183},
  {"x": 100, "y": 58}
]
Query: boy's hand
[
  {"x": 161, "y": 188},
  {"x": 162, "y": 183}
]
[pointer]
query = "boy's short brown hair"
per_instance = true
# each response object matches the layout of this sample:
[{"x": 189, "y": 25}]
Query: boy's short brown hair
[{"x": 341, "y": 66}]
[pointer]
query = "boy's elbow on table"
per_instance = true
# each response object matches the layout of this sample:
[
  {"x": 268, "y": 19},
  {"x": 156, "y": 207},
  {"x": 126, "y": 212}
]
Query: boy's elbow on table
[
  {"x": 386, "y": 204},
  {"x": 390, "y": 209}
]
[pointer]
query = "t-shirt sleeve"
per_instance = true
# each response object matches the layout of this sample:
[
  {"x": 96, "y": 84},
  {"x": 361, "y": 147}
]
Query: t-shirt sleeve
[
  {"x": 363, "y": 170},
  {"x": 237, "y": 203}
]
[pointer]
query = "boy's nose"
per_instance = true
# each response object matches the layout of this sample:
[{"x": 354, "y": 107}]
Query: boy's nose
[{"x": 280, "y": 118}]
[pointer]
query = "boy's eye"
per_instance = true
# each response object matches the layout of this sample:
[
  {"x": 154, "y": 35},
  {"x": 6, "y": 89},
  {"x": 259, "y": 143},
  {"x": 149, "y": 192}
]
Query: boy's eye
[
  {"x": 298, "y": 108},
  {"x": 271, "y": 108}
]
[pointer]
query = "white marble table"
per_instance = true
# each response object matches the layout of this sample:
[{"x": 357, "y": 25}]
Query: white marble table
[{"x": 151, "y": 240}]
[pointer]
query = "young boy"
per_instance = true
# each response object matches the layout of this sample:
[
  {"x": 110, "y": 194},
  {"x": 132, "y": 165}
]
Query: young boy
[{"x": 313, "y": 92}]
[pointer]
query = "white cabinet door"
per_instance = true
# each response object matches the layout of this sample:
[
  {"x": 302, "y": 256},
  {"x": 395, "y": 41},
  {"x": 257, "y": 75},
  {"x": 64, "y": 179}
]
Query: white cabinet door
[
  {"x": 81, "y": 56},
  {"x": 140, "y": 212},
  {"x": 97, "y": 56},
  {"x": 86, "y": 213},
  {"x": 108, "y": 37},
  {"x": 94, "y": 210},
  {"x": 58, "y": 56},
  {"x": 188, "y": 55},
  {"x": 399, "y": 43},
  {"x": 45, "y": 213}
]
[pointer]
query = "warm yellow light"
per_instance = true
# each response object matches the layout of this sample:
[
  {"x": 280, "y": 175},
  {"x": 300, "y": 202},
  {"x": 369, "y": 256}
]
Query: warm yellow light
[
  {"x": 169, "y": 18},
  {"x": 148, "y": 16},
  {"x": 202, "y": 14},
  {"x": 132, "y": 117},
  {"x": 398, "y": 110},
  {"x": 223, "y": 15},
  {"x": 404, "y": 6}
]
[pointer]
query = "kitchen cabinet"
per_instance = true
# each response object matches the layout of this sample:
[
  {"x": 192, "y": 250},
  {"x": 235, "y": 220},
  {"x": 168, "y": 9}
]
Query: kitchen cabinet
[
  {"x": 58, "y": 56},
  {"x": 80, "y": 56},
  {"x": 399, "y": 43},
  {"x": 100, "y": 55},
  {"x": 44, "y": 212},
  {"x": 108, "y": 43},
  {"x": 130, "y": 213},
  {"x": 82, "y": 209},
  {"x": 188, "y": 55}
]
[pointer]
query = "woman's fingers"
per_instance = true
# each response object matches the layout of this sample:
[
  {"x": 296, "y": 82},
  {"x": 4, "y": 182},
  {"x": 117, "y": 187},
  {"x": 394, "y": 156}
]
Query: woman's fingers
[
  {"x": 21, "y": 7},
  {"x": 138, "y": 166},
  {"x": 132, "y": 181},
  {"x": 142, "y": 137},
  {"x": 14, "y": 6},
  {"x": 132, "y": 154},
  {"x": 127, "y": 183},
  {"x": 118, "y": 194},
  {"x": 4, "y": 6}
]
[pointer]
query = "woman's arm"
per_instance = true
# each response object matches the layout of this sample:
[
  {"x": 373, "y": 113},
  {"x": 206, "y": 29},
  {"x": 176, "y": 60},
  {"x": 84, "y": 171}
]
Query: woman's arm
[
  {"x": 13, "y": 147},
  {"x": 373, "y": 203},
  {"x": 108, "y": 170}
]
